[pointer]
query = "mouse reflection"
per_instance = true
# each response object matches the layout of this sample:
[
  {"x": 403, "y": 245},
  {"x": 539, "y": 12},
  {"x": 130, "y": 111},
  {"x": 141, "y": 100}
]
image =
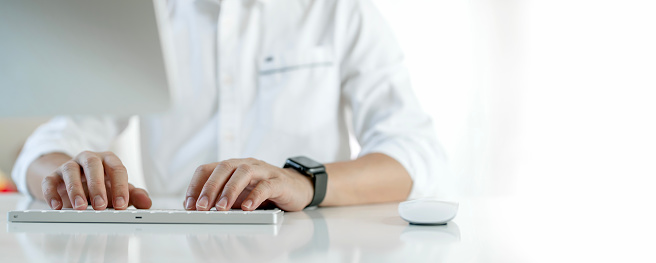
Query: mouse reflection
[{"x": 377, "y": 237}]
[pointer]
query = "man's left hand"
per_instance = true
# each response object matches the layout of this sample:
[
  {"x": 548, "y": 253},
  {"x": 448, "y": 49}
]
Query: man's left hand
[{"x": 247, "y": 183}]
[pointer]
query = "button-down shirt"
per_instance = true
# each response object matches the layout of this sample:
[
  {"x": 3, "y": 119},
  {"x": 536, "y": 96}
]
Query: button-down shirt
[{"x": 269, "y": 79}]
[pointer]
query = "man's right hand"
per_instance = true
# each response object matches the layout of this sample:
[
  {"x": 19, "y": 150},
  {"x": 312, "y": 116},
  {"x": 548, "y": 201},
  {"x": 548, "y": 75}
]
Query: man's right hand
[{"x": 96, "y": 178}]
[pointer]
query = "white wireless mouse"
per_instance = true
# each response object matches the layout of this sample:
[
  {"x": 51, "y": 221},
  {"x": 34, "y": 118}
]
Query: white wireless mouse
[{"x": 427, "y": 211}]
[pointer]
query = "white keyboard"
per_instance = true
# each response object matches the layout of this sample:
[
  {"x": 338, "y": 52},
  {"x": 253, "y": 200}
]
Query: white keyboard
[{"x": 147, "y": 216}]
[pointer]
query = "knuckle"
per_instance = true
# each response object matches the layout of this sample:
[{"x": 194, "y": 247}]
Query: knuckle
[
  {"x": 227, "y": 165},
  {"x": 69, "y": 167},
  {"x": 119, "y": 186},
  {"x": 85, "y": 154},
  {"x": 91, "y": 160},
  {"x": 210, "y": 186},
  {"x": 48, "y": 180},
  {"x": 48, "y": 187},
  {"x": 267, "y": 185},
  {"x": 49, "y": 191},
  {"x": 70, "y": 188},
  {"x": 202, "y": 169},
  {"x": 260, "y": 192},
  {"x": 246, "y": 168},
  {"x": 95, "y": 184},
  {"x": 230, "y": 189},
  {"x": 117, "y": 168},
  {"x": 61, "y": 189}
]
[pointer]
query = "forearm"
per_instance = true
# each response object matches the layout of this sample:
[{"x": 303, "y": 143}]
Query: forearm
[
  {"x": 373, "y": 178},
  {"x": 42, "y": 167}
]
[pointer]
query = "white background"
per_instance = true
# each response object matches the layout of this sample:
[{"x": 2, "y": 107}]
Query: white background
[
  {"x": 546, "y": 106},
  {"x": 566, "y": 86},
  {"x": 549, "y": 108}
]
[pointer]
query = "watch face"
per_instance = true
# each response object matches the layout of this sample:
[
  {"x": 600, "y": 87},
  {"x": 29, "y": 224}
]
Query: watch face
[{"x": 307, "y": 162}]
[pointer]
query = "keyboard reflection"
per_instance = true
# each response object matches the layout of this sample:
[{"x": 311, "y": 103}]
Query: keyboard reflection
[
  {"x": 373, "y": 233},
  {"x": 93, "y": 228}
]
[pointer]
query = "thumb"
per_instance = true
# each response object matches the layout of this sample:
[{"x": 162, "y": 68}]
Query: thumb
[{"x": 139, "y": 198}]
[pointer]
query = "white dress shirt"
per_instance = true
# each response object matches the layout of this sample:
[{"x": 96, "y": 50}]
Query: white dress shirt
[{"x": 269, "y": 79}]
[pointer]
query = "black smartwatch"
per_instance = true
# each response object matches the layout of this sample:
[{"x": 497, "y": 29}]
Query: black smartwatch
[{"x": 314, "y": 170}]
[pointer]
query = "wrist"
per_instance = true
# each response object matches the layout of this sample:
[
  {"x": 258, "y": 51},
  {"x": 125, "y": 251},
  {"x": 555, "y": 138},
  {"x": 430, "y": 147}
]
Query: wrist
[
  {"x": 302, "y": 183},
  {"x": 313, "y": 170}
]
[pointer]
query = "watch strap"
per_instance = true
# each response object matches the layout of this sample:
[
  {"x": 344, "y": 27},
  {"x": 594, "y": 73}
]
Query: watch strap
[{"x": 320, "y": 181}]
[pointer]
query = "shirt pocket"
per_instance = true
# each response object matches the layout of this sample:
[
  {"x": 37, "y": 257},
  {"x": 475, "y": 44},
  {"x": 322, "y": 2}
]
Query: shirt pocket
[
  {"x": 279, "y": 63},
  {"x": 298, "y": 90}
]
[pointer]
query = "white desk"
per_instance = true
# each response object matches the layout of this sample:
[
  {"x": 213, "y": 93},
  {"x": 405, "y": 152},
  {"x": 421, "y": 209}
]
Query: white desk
[
  {"x": 348, "y": 234},
  {"x": 486, "y": 230}
]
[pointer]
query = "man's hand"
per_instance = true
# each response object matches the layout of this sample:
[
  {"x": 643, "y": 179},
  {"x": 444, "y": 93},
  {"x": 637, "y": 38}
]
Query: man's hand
[
  {"x": 96, "y": 178},
  {"x": 247, "y": 183}
]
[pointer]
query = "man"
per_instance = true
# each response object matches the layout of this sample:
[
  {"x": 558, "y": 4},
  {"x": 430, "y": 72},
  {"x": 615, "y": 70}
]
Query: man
[{"x": 257, "y": 82}]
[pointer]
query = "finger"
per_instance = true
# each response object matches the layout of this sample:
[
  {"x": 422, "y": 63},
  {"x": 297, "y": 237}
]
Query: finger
[
  {"x": 51, "y": 195},
  {"x": 70, "y": 173},
  {"x": 61, "y": 189},
  {"x": 235, "y": 185},
  {"x": 93, "y": 170},
  {"x": 214, "y": 183},
  {"x": 109, "y": 191},
  {"x": 197, "y": 181},
  {"x": 139, "y": 198},
  {"x": 262, "y": 191},
  {"x": 241, "y": 198},
  {"x": 118, "y": 179}
]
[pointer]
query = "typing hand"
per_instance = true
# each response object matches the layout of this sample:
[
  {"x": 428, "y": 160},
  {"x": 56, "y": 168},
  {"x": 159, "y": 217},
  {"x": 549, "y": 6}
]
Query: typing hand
[
  {"x": 99, "y": 179},
  {"x": 247, "y": 183}
]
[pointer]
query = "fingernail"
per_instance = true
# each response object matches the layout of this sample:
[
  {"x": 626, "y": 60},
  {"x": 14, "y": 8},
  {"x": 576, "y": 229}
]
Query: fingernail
[
  {"x": 120, "y": 202},
  {"x": 54, "y": 204},
  {"x": 248, "y": 204},
  {"x": 79, "y": 202},
  {"x": 189, "y": 205},
  {"x": 202, "y": 203},
  {"x": 222, "y": 203},
  {"x": 98, "y": 201}
]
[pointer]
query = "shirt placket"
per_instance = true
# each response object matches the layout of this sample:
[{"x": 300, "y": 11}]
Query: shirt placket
[{"x": 227, "y": 63}]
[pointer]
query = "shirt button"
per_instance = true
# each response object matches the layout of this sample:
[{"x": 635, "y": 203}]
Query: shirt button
[{"x": 229, "y": 137}]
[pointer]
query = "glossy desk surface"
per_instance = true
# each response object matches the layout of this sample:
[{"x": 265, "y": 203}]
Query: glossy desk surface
[
  {"x": 489, "y": 230},
  {"x": 372, "y": 233}
]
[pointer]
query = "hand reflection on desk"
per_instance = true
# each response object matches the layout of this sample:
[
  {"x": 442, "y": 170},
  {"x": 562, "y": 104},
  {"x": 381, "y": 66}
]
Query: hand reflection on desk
[
  {"x": 332, "y": 234},
  {"x": 213, "y": 247},
  {"x": 91, "y": 248},
  {"x": 70, "y": 247}
]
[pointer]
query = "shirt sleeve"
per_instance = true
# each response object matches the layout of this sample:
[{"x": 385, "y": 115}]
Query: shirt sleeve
[
  {"x": 66, "y": 134},
  {"x": 386, "y": 115}
]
